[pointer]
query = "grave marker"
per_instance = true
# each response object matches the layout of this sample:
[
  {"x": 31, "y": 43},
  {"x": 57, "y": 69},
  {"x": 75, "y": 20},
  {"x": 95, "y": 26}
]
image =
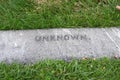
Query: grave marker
[{"x": 34, "y": 45}]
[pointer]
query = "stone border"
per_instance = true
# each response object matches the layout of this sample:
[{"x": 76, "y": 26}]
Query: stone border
[{"x": 28, "y": 46}]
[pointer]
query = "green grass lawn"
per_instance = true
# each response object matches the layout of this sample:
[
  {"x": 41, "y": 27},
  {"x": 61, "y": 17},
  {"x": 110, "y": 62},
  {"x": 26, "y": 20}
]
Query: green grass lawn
[
  {"x": 28, "y": 14},
  {"x": 100, "y": 69}
]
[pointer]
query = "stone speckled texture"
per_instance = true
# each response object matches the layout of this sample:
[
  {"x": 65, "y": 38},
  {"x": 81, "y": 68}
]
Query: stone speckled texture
[{"x": 29, "y": 46}]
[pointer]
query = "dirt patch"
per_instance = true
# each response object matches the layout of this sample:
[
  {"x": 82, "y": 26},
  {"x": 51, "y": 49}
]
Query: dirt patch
[
  {"x": 50, "y": 2},
  {"x": 40, "y": 1}
]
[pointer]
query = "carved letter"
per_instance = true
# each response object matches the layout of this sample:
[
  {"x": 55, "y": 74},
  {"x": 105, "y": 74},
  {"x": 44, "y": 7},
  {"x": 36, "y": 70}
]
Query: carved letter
[
  {"x": 66, "y": 37},
  {"x": 45, "y": 38},
  {"x": 38, "y": 38},
  {"x": 59, "y": 37},
  {"x": 74, "y": 37}
]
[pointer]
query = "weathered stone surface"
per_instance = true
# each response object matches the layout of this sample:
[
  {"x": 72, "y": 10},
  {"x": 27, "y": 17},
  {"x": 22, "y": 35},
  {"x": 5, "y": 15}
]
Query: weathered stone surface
[{"x": 34, "y": 45}]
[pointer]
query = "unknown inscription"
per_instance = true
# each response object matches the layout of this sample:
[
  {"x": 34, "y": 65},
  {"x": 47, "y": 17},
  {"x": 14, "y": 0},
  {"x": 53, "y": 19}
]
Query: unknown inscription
[{"x": 60, "y": 37}]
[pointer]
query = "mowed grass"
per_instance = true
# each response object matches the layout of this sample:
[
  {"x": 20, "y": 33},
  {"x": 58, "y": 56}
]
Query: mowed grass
[
  {"x": 100, "y": 69},
  {"x": 40, "y": 14},
  {"x": 31, "y": 14}
]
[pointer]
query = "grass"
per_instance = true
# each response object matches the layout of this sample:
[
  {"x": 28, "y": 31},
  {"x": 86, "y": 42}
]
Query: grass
[
  {"x": 30, "y": 14},
  {"x": 100, "y": 69}
]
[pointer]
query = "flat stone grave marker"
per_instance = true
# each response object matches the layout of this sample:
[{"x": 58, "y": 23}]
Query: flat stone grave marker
[{"x": 34, "y": 45}]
